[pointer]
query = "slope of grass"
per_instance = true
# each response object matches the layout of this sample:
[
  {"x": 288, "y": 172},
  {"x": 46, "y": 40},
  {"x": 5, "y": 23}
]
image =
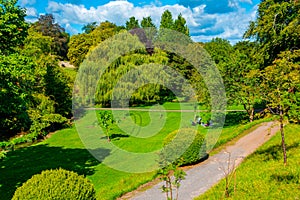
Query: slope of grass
[
  {"x": 66, "y": 150},
  {"x": 231, "y": 132},
  {"x": 263, "y": 175}
]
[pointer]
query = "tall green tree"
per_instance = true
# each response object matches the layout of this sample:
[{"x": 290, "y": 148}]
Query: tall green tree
[
  {"x": 281, "y": 82},
  {"x": 240, "y": 73},
  {"x": 180, "y": 25},
  {"x": 13, "y": 27},
  {"x": 167, "y": 21},
  {"x": 88, "y": 28},
  {"x": 277, "y": 33},
  {"x": 16, "y": 83},
  {"x": 166, "y": 27},
  {"x": 132, "y": 23},
  {"x": 243, "y": 78},
  {"x": 47, "y": 26},
  {"x": 150, "y": 32},
  {"x": 276, "y": 28},
  {"x": 147, "y": 22}
]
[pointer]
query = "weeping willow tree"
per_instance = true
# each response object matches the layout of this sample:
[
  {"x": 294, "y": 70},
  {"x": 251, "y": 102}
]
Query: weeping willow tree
[
  {"x": 135, "y": 77},
  {"x": 121, "y": 71}
]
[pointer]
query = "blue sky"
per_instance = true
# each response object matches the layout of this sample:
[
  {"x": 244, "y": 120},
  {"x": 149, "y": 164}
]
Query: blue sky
[{"x": 206, "y": 19}]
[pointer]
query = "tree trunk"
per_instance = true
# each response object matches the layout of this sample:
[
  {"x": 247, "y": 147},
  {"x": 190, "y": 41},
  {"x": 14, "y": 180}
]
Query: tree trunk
[
  {"x": 108, "y": 139},
  {"x": 251, "y": 114},
  {"x": 282, "y": 136},
  {"x": 170, "y": 185},
  {"x": 167, "y": 189}
]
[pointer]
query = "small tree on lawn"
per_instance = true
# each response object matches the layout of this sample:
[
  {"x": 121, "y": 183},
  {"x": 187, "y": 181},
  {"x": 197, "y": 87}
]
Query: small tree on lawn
[
  {"x": 280, "y": 85},
  {"x": 170, "y": 183},
  {"x": 106, "y": 120},
  {"x": 170, "y": 174}
]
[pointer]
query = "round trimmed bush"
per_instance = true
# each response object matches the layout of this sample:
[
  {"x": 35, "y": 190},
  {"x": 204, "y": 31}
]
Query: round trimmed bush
[
  {"x": 184, "y": 146},
  {"x": 56, "y": 184}
]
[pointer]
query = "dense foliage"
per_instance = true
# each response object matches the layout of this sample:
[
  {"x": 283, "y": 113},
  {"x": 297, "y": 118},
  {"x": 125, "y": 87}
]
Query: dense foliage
[
  {"x": 56, "y": 184},
  {"x": 35, "y": 94},
  {"x": 276, "y": 28},
  {"x": 81, "y": 44},
  {"x": 185, "y": 146},
  {"x": 13, "y": 28},
  {"x": 16, "y": 80},
  {"x": 47, "y": 26}
]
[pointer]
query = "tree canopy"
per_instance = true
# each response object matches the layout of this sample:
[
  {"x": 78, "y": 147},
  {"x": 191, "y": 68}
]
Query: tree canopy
[
  {"x": 132, "y": 23},
  {"x": 147, "y": 22},
  {"x": 47, "y": 26},
  {"x": 81, "y": 44},
  {"x": 88, "y": 28},
  {"x": 167, "y": 21},
  {"x": 13, "y": 28},
  {"x": 276, "y": 28}
]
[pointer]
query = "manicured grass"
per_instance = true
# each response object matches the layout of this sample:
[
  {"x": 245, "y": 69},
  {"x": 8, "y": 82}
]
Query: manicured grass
[
  {"x": 66, "y": 150},
  {"x": 263, "y": 175},
  {"x": 191, "y": 106}
]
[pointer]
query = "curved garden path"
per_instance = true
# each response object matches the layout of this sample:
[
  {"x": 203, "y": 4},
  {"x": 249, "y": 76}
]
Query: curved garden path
[{"x": 206, "y": 174}]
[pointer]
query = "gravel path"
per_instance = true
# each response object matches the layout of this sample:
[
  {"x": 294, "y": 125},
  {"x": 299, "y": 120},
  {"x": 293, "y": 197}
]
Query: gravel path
[{"x": 203, "y": 176}]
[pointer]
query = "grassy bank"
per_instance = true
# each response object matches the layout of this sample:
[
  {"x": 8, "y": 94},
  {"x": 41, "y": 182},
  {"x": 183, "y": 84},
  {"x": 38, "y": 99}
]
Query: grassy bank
[{"x": 263, "y": 175}]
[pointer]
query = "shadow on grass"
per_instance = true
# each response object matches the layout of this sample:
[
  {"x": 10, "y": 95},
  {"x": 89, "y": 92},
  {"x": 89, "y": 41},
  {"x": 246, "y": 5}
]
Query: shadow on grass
[
  {"x": 115, "y": 136},
  {"x": 22, "y": 164},
  {"x": 234, "y": 118},
  {"x": 285, "y": 178},
  {"x": 275, "y": 152}
]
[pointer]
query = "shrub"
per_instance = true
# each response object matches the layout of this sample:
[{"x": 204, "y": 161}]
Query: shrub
[
  {"x": 56, "y": 184},
  {"x": 2, "y": 154},
  {"x": 236, "y": 117},
  {"x": 184, "y": 146}
]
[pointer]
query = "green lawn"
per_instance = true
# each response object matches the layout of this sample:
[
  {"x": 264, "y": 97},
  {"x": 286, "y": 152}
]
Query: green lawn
[
  {"x": 66, "y": 150},
  {"x": 263, "y": 175},
  {"x": 190, "y": 106}
]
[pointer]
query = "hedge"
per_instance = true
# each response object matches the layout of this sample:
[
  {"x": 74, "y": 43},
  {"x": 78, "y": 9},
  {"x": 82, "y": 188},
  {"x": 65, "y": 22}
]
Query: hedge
[{"x": 184, "y": 147}]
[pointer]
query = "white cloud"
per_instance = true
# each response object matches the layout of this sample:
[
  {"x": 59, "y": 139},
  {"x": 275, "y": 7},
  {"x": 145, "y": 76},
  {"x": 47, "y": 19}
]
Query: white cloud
[
  {"x": 246, "y": 1},
  {"x": 26, "y": 2},
  {"x": 203, "y": 26},
  {"x": 114, "y": 11},
  {"x": 70, "y": 29},
  {"x": 229, "y": 26},
  {"x": 31, "y": 12}
]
